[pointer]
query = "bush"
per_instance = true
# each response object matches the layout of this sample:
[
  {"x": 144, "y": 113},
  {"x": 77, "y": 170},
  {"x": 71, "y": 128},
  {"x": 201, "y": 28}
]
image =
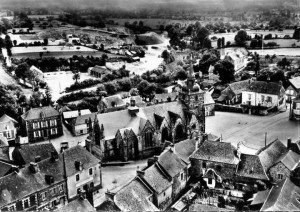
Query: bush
[{"x": 42, "y": 83}]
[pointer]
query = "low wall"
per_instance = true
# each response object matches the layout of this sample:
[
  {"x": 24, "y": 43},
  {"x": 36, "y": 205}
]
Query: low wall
[{"x": 228, "y": 108}]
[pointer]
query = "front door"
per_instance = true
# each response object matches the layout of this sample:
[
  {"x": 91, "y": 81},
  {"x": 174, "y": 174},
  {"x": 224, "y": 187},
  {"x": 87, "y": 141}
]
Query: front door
[{"x": 45, "y": 133}]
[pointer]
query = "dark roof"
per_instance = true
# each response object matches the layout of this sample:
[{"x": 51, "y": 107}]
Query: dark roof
[
  {"x": 35, "y": 113},
  {"x": 100, "y": 69},
  {"x": 156, "y": 179},
  {"x": 295, "y": 82},
  {"x": 78, "y": 205},
  {"x": 290, "y": 159},
  {"x": 250, "y": 166},
  {"x": 108, "y": 205},
  {"x": 269, "y": 154},
  {"x": 29, "y": 152},
  {"x": 283, "y": 197},
  {"x": 82, "y": 119},
  {"x": 185, "y": 148},
  {"x": 78, "y": 153},
  {"x": 115, "y": 99},
  {"x": 170, "y": 162},
  {"x": 164, "y": 97},
  {"x": 266, "y": 87},
  {"x": 4, "y": 168},
  {"x": 238, "y": 87},
  {"x": 18, "y": 185},
  {"x": 221, "y": 152},
  {"x": 134, "y": 197}
]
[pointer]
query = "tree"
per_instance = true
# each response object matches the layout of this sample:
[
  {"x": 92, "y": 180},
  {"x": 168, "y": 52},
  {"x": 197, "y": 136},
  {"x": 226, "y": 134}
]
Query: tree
[
  {"x": 165, "y": 54},
  {"x": 296, "y": 34},
  {"x": 76, "y": 77},
  {"x": 219, "y": 43},
  {"x": 223, "y": 42},
  {"x": 241, "y": 38},
  {"x": 207, "y": 43},
  {"x": 22, "y": 71},
  {"x": 181, "y": 74},
  {"x": 189, "y": 30},
  {"x": 284, "y": 63},
  {"x": 201, "y": 34},
  {"x": 225, "y": 69},
  {"x": 48, "y": 97},
  {"x": 46, "y": 41},
  {"x": 15, "y": 42},
  {"x": 97, "y": 132},
  {"x": 110, "y": 88}
]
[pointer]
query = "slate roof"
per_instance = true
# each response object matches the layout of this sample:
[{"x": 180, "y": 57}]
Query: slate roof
[
  {"x": 269, "y": 154},
  {"x": 100, "y": 69},
  {"x": 7, "y": 122},
  {"x": 4, "y": 168},
  {"x": 29, "y": 152},
  {"x": 81, "y": 119},
  {"x": 116, "y": 99},
  {"x": 156, "y": 179},
  {"x": 6, "y": 118},
  {"x": 266, "y": 87},
  {"x": 170, "y": 162},
  {"x": 290, "y": 159},
  {"x": 260, "y": 197},
  {"x": 295, "y": 82},
  {"x": 16, "y": 186},
  {"x": 78, "y": 153},
  {"x": 250, "y": 166},
  {"x": 35, "y": 113},
  {"x": 283, "y": 197},
  {"x": 134, "y": 197},
  {"x": 185, "y": 148},
  {"x": 75, "y": 113},
  {"x": 216, "y": 151},
  {"x": 78, "y": 205}
]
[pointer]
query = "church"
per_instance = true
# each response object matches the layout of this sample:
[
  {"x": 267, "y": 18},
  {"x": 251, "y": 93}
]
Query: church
[{"x": 139, "y": 132}]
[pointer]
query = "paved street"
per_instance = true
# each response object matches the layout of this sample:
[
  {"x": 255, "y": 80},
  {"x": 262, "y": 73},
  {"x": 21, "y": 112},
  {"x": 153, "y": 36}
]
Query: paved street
[{"x": 236, "y": 127}]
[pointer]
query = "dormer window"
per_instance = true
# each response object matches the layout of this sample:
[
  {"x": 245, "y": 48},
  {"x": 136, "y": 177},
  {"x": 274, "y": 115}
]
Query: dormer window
[
  {"x": 79, "y": 165},
  {"x": 42, "y": 114}
]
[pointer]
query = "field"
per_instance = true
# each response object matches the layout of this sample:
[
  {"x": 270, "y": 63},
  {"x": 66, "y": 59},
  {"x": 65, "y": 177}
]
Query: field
[{"x": 280, "y": 52}]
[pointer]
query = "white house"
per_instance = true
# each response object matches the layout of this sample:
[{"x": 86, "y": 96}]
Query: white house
[
  {"x": 80, "y": 125},
  {"x": 238, "y": 56}
]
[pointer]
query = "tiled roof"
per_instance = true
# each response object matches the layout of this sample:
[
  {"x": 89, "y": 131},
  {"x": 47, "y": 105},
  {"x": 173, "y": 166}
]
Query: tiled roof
[
  {"x": 134, "y": 197},
  {"x": 156, "y": 179},
  {"x": 290, "y": 159},
  {"x": 170, "y": 162},
  {"x": 29, "y": 152},
  {"x": 251, "y": 167},
  {"x": 208, "y": 99},
  {"x": 77, "y": 206},
  {"x": 185, "y": 148},
  {"x": 115, "y": 99},
  {"x": 269, "y": 154},
  {"x": 221, "y": 152},
  {"x": 266, "y": 87},
  {"x": 18, "y": 185},
  {"x": 35, "y": 113},
  {"x": 78, "y": 153},
  {"x": 164, "y": 96},
  {"x": 295, "y": 82},
  {"x": 283, "y": 197},
  {"x": 82, "y": 119}
]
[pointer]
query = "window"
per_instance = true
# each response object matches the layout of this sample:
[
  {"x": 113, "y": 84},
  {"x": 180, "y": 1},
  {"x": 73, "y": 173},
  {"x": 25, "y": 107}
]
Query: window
[
  {"x": 26, "y": 203},
  {"x": 280, "y": 176},
  {"x": 51, "y": 191},
  {"x": 148, "y": 139},
  {"x": 81, "y": 131},
  {"x": 43, "y": 196},
  {"x": 36, "y": 134},
  {"x": 269, "y": 99},
  {"x": 53, "y": 123},
  {"x": 249, "y": 96},
  {"x": 8, "y": 134},
  {"x": 209, "y": 181},
  {"x": 11, "y": 207},
  {"x": 164, "y": 193},
  {"x": 182, "y": 176},
  {"x": 77, "y": 177},
  {"x": 44, "y": 124},
  {"x": 60, "y": 188},
  {"x": 53, "y": 131},
  {"x": 36, "y": 125},
  {"x": 204, "y": 165},
  {"x": 91, "y": 171},
  {"x": 262, "y": 98}
]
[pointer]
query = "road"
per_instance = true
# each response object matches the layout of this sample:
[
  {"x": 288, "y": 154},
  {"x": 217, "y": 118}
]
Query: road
[{"x": 251, "y": 129}]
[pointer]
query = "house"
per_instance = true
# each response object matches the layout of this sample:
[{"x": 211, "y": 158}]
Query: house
[
  {"x": 210, "y": 177},
  {"x": 77, "y": 205},
  {"x": 209, "y": 104},
  {"x": 111, "y": 103},
  {"x": 295, "y": 110},
  {"x": 83, "y": 174},
  {"x": 143, "y": 131},
  {"x": 81, "y": 124},
  {"x": 38, "y": 186},
  {"x": 284, "y": 166},
  {"x": 294, "y": 88},
  {"x": 283, "y": 197},
  {"x": 138, "y": 101},
  {"x": 98, "y": 71},
  {"x": 70, "y": 115},
  {"x": 222, "y": 157},
  {"x": 8, "y": 128},
  {"x": 262, "y": 96},
  {"x": 42, "y": 123},
  {"x": 238, "y": 56},
  {"x": 6, "y": 168},
  {"x": 25, "y": 154},
  {"x": 36, "y": 72}
]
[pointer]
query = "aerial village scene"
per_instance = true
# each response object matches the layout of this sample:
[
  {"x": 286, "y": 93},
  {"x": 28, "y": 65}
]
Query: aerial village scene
[{"x": 162, "y": 105}]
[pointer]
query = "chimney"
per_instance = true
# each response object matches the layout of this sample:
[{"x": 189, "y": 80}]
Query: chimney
[
  {"x": 54, "y": 155},
  {"x": 34, "y": 168},
  {"x": 289, "y": 143},
  {"x": 15, "y": 169},
  {"x": 79, "y": 112},
  {"x": 140, "y": 173},
  {"x": 78, "y": 165},
  {"x": 37, "y": 159},
  {"x": 49, "y": 179}
]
